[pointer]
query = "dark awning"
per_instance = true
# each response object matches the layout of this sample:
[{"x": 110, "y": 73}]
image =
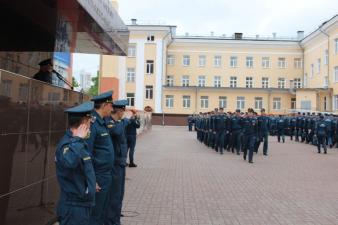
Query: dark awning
[{"x": 85, "y": 26}]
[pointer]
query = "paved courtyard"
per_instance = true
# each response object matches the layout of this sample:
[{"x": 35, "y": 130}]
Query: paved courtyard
[{"x": 180, "y": 181}]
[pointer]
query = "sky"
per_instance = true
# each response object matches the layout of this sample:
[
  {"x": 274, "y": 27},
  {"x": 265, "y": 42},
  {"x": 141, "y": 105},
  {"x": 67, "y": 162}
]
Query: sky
[{"x": 200, "y": 17}]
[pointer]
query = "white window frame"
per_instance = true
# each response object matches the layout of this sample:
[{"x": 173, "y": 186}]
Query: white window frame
[
  {"x": 335, "y": 74},
  {"x": 186, "y": 60},
  {"x": 130, "y": 98},
  {"x": 217, "y": 61},
  {"x": 312, "y": 68},
  {"x": 298, "y": 63},
  {"x": 233, "y": 61},
  {"x": 249, "y": 82},
  {"x": 336, "y": 45},
  {"x": 326, "y": 82},
  {"x": 249, "y": 62},
  {"x": 266, "y": 63},
  {"x": 170, "y": 60},
  {"x": 202, "y": 60},
  {"x": 170, "y": 81},
  {"x": 318, "y": 64},
  {"x": 305, "y": 79},
  {"x": 204, "y": 100},
  {"x": 326, "y": 57},
  {"x": 297, "y": 83},
  {"x": 277, "y": 103},
  {"x": 185, "y": 81},
  {"x": 169, "y": 101},
  {"x": 281, "y": 83},
  {"x": 282, "y": 63},
  {"x": 150, "y": 67},
  {"x": 258, "y": 103},
  {"x": 233, "y": 82},
  {"x": 217, "y": 81},
  {"x": 240, "y": 102},
  {"x": 335, "y": 102},
  {"x": 222, "y": 102},
  {"x": 131, "y": 74},
  {"x": 131, "y": 51},
  {"x": 149, "y": 92},
  {"x": 265, "y": 82},
  {"x": 186, "y": 101},
  {"x": 201, "y": 81},
  {"x": 150, "y": 37}
]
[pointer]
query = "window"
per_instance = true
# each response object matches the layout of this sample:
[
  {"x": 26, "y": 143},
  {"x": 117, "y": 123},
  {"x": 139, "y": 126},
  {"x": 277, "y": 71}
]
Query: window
[
  {"x": 298, "y": 63},
  {"x": 265, "y": 82},
  {"x": 281, "y": 82},
  {"x": 297, "y": 83},
  {"x": 240, "y": 102},
  {"x": 130, "y": 75},
  {"x": 150, "y": 37},
  {"x": 249, "y": 62},
  {"x": 204, "y": 102},
  {"x": 276, "y": 103},
  {"x": 336, "y": 45},
  {"x": 293, "y": 103},
  {"x": 170, "y": 60},
  {"x": 335, "y": 102},
  {"x": 150, "y": 66},
  {"x": 258, "y": 103},
  {"x": 149, "y": 92},
  {"x": 132, "y": 51},
  {"x": 248, "y": 82},
  {"x": 217, "y": 81},
  {"x": 201, "y": 81},
  {"x": 217, "y": 60},
  {"x": 336, "y": 74},
  {"x": 201, "y": 60},
  {"x": 185, "y": 81},
  {"x": 281, "y": 63},
  {"x": 326, "y": 57},
  {"x": 169, "y": 101},
  {"x": 326, "y": 82},
  {"x": 170, "y": 81},
  {"x": 186, "y": 101},
  {"x": 24, "y": 90},
  {"x": 222, "y": 101},
  {"x": 186, "y": 60},
  {"x": 312, "y": 70},
  {"x": 131, "y": 99},
  {"x": 233, "y": 61},
  {"x": 305, "y": 105},
  {"x": 318, "y": 65},
  {"x": 325, "y": 103},
  {"x": 305, "y": 80},
  {"x": 266, "y": 62},
  {"x": 6, "y": 87},
  {"x": 233, "y": 82}
]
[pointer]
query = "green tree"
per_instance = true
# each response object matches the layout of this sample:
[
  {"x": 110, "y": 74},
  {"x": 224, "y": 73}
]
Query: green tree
[
  {"x": 75, "y": 83},
  {"x": 94, "y": 89}
]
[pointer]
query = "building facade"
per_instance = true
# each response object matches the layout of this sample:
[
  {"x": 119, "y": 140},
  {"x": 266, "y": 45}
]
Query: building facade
[{"x": 180, "y": 75}]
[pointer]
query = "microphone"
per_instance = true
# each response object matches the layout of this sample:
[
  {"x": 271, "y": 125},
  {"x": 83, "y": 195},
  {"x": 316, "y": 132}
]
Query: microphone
[{"x": 62, "y": 79}]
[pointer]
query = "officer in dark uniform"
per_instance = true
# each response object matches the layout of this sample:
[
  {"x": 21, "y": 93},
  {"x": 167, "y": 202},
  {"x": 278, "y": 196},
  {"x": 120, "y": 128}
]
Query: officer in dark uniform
[
  {"x": 328, "y": 122},
  {"x": 250, "y": 133},
  {"x": 292, "y": 127},
  {"x": 102, "y": 152},
  {"x": 298, "y": 126},
  {"x": 131, "y": 132},
  {"x": 236, "y": 132},
  {"x": 45, "y": 73},
  {"x": 264, "y": 124},
  {"x": 281, "y": 128},
  {"x": 219, "y": 124},
  {"x": 273, "y": 126},
  {"x": 190, "y": 122},
  {"x": 321, "y": 132},
  {"x": 117, "y": 129},
  {"x": 74, "y": 169}
]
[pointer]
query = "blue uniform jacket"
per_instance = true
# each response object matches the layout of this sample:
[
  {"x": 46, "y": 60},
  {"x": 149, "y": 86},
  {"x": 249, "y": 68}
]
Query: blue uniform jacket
[
  {"x": 133, "y": 126},
  {"x": 75, "y": 172}
]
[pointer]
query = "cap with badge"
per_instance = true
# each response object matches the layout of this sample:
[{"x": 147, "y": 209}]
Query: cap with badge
[
  {"x": 46, "y": 62},
  {"x": 83, "y": 110},
  {"x": 104, "y": 97},
  {"x": 120, "y": 104}
]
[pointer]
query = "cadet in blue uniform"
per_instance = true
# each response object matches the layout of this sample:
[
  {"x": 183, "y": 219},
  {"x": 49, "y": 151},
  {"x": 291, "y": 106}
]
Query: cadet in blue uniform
[
  {"x": 250, "y": 132},
  {"x": 117, "y": 128},
  {"x": 74, "y": 169},
  {"x": 264, "y": 124},
  {"x": 236, "y": 135},
  {"x": 321, "y": 132},
  {"x": 281, "y": 128},
  {"x": 190, "y": 122},
  {"x": 45, "y": 72},
  {"x": 219, "y": 124},
  {"x": 102, "y": 151},
  {"x": 292, "y": 126},
  {"x": 131, "y": 137}
]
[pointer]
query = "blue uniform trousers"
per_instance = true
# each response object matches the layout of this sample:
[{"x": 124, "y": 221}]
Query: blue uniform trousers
[
  {"x": 321, "y": 141},
  {"x": 264, "y": 138},
  {"x": 220, "y": 141},
  {"x": 73, "y": 214},
  {"x": 101, "y": 199},
  {"x": 116, "y": 194},
  {"x": 248, "y": 144},
  {"x": 131, "y": 142}
]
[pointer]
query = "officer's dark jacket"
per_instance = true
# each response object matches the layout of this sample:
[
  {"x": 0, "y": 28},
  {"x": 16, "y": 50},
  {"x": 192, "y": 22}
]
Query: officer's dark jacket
[
  {"x": 250, "y": 126},
  {"x": 133, "y": 126},
  {"x": 321, "y": 128},
  {"x": 75, "y": 172},
  {"x": 280, "y": 123},
  {"x": 293, "y": 122},
  {"x": 117, "y": 131},
  {"x": 236, "y": 123},
  {"x": 263, "y": 123},
  {"x": 44, "y": 76},
  {"x": 220, "y": 123},
  {"x": 101, "y": 146}
]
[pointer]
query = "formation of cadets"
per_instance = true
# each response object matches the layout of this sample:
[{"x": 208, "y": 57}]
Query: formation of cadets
[
  {"x": 91, "y": 162},
  {"x": 244, "y": 132}
]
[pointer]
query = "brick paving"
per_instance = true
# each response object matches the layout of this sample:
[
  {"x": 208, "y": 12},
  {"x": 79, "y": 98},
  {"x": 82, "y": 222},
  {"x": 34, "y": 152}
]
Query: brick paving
[{"x": 181, "y": 182}]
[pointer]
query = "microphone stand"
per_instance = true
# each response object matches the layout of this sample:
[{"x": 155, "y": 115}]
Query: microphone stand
[{"x": 63, "y": 79}]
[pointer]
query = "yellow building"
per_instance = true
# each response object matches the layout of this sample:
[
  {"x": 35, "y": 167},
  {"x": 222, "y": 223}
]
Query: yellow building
[{"x": 190, "y": 74}]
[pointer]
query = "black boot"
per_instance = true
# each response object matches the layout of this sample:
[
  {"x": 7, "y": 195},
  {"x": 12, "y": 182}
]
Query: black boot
[{"x": 132, "y": 164}]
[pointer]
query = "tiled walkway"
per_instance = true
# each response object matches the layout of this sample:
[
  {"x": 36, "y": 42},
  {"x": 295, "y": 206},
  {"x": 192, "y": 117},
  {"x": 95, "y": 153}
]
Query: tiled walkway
[{"x": 180, "y": 181}]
